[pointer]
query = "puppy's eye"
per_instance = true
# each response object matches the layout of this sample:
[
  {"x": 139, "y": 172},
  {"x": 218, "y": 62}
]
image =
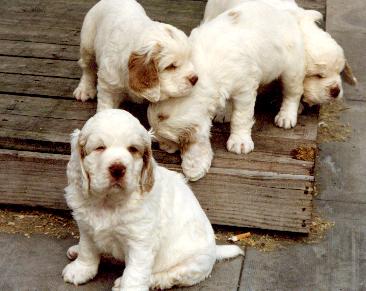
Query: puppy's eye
[
  {"x": 171, "y": 67},
  {"x": 133, "y": 150},
  {"x": 318, "y": 76},
  {"x": 100, "y": 149}
]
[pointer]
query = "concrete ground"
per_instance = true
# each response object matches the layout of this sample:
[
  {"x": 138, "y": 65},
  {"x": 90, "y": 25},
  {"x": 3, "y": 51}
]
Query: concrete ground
[{"x": 336, "y": 263}]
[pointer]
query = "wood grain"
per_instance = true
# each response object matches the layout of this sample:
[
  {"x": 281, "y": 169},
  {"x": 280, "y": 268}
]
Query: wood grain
[
  {"x": 38, "y": 179},
  {"x": 39, "y": 44}
]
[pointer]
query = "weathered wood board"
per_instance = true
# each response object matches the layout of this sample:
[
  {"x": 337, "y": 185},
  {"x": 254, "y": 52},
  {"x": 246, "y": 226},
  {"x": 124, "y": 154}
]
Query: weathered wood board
[{"x": 38, "y": 72}]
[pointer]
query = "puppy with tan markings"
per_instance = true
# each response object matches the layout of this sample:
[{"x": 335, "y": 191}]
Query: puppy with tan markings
[
  {"x": 124, "y": 53},
  {"x": 234, "y": 54},
  {"x": 131, "y": 208},
  {"x": 324, "y": 57}
]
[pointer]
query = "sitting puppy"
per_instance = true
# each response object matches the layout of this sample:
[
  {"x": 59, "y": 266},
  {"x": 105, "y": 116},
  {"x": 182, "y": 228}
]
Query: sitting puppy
[
  {"x": 128, "y": 206},
  {"x": 131, "y": 54},
  {"x": 324, "y": 58},
  {"x": 234, "y": 54}
]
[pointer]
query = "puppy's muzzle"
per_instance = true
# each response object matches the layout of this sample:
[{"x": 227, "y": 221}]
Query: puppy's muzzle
[{"x": 117, "y": 171}]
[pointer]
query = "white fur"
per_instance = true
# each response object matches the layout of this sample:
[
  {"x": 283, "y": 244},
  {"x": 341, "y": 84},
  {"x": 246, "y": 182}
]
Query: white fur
[
  {"x": 234, "y": 53},
  {"x": 111, "y": 32},
  {"x": 162, "y": 234},
  {"x": 324, "y": 58}
]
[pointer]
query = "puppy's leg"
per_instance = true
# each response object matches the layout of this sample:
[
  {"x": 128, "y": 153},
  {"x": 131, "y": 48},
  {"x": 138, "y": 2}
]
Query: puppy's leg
[
  {"x": 188, "y": 273},
  {"x": 242, "y": 120},
  {"x": 85, "y": 267},
  {"x": 87, "y": 85},
  {"x": 108, "y": 99},
  {"x": 137, "y": 274},
  {"x": 196, "y": 152},
  {"x": 292, "y": 91}
]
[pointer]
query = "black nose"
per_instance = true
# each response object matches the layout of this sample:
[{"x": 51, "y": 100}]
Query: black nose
[
  {"x": 334, "y": 92},
  {"x": 193, "y": 79},
  {"x": 117, "y": 170}
]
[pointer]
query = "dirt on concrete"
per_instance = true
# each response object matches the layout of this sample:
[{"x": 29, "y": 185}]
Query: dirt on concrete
[
  {"x": 331, "y": 128},
  {"x": 61, "y": 225},
  {"x": 31, "y": 221}
]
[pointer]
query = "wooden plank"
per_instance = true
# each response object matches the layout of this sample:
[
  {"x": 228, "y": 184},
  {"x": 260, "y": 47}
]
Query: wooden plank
[
  {"x": 38, "y": 50},
  {"x": 38, "y": 179},
  {"x": 57, "y": 23},
  {"x": 39, "y": 67},
  {"x": 51, "y": 120},
  {"x": 37, "y": 85}
]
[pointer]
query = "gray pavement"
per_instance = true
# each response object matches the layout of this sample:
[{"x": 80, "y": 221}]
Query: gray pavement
[{"x": 336, "y": 263}]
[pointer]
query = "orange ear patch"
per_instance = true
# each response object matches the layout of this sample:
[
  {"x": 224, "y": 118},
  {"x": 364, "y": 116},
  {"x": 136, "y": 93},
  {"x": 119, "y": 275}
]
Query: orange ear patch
[
  {"x": 147, "y": 173},
  {"x": 143, "y": 75}
]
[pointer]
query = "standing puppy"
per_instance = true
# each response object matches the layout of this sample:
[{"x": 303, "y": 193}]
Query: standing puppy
[
  {"x": 131, "y": 54},
  {"x": 248, "y": 46},
  {"x": 324, "y": 57},
  {"x": 127, "y": 206}
]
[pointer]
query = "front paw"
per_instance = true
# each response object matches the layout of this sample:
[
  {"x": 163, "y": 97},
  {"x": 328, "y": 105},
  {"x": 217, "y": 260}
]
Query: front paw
[
  {"x": 240, "y": 144},
  {"x": 79, "y": 273},
  {"x": 286, "y": 119},
  {"x": 195, "y": 169},
  {"x": 84, "y": 92},
  {"x": 170, "y": 148}
]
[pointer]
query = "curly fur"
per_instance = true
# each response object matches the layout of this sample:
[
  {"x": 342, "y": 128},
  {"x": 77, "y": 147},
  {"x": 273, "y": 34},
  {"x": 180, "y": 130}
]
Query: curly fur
[{"x": 128, "y": 206}]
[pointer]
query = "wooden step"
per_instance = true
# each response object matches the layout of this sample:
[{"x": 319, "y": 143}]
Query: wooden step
[{"x": 38, "y": 73}]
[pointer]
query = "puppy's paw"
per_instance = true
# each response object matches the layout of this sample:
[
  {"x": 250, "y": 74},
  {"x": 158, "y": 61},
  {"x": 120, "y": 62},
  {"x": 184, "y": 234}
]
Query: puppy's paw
[
  {"x": 79, "y": 273},
  {"x": 286, "y": 119},
  {"x": 168, "y": 147},
  {"x": 117, "y": 284},
  {"x": 240, "y": 144},
  {"x": 84, "y": 92},
  {"x": 72, "y": 252},
  {"x": 196, "y": 169}
]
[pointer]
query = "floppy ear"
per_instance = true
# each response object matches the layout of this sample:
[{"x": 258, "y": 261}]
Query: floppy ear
[
  {"x": 147, "y": 173},
  {"x": 143, "y": 78},
  {"x": 348, "y": 75},
  {"x": 76, "y": 173}
]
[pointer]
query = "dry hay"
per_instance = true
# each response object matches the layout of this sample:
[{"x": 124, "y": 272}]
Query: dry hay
[
  {"x": 61, "y": 225},
  {"x": 330, "y": 126},
  {"x": 267, "y": 241},
  {"x": 30, "y": 221},
  {"x": 304, "y": 153}
]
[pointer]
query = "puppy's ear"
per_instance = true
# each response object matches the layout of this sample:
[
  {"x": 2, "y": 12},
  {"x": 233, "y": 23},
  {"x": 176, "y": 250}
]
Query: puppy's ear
[
  {"x": 143, "y": 77},
  {"x": 147, "y": 172},
  {"x": 76, "y": 173},
  {"x": 348, "y": 75}
]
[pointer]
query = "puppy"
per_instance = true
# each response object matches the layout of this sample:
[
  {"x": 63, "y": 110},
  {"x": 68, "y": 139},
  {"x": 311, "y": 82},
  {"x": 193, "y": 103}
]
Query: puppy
[
  {"x": 132, "y": 55},
  {"x": 128, "y": 206},
  {"x": 324, "y": 58},
  {"x": 234, "y": 54}
]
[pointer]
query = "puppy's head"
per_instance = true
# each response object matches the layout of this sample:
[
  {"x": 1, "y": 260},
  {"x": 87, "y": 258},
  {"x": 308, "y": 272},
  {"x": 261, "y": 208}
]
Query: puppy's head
[
  {"x": 179, "y": 123},
  {"x": 162, "y": 67},
  {"x": 325, "y": 63},
  {"x": 114, "y": 155}
]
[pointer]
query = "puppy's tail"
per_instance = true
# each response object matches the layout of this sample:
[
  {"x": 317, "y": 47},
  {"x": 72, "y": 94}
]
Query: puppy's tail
[{"x": 228, "y": 252}]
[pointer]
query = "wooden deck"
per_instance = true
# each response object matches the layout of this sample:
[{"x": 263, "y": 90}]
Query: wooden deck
[{"x": 38, "y": 73}]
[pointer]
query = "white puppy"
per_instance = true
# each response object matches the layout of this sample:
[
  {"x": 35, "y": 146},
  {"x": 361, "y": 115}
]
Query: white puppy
[
  {"x": 128, "y": 206},
  {"x": 324, "y": 58},
  {"x": 235, "y": 53},
  {"x": 131, "y": 54}
]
